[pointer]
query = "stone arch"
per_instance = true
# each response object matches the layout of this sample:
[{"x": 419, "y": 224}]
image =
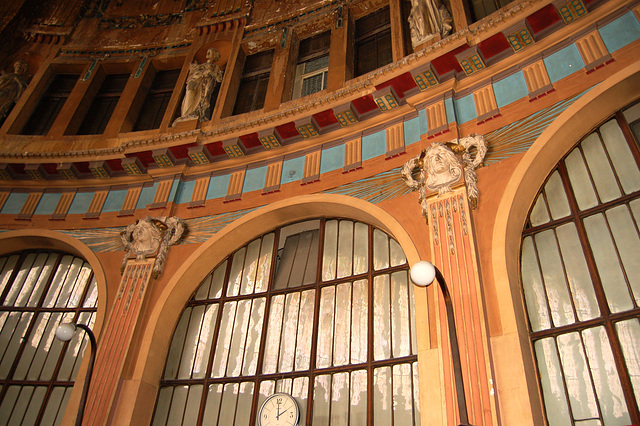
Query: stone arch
[
  {"x": 159, "y": 330},
  {"x": 554, "y": 143}
]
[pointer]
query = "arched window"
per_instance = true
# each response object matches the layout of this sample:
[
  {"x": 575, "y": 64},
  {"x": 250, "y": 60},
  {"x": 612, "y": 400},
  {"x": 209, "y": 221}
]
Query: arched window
[
  {"x": 580, "y": 270},
  {"x": 321, "y": 310},
  {"x": 38, "y": 291}
]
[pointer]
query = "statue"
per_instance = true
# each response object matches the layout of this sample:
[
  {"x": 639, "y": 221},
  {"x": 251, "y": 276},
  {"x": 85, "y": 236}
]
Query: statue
[
  {"x": 199, "y": 87},
  {"x": 149, "y": 236},
  {"x": 443, "y": 165},
  {"x": 11, "y": 87},
  {"x": 428, "y": 18}
]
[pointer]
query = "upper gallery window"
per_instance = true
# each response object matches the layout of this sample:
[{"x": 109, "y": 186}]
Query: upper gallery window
[
  {"x": 103, "y": 104},
  {"x": 50, "y": 104},
  {"x": 322, "y": 310},
  {"x": 313, "y": 65},
  {"x": 38, "y": 291},
  {"x": 157, "y": 99},
  {"x": 581, "y": 279},
  {"x": 373, "y": 41},
  {"x": 253, "y": 85},
  {"x": 482, "y": 8}
]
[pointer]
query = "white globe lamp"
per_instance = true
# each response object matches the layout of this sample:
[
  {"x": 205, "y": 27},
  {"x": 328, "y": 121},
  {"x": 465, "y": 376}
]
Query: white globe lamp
[
  {"x": 423, "y": 273},
  {"x": 65, "y": 331}
]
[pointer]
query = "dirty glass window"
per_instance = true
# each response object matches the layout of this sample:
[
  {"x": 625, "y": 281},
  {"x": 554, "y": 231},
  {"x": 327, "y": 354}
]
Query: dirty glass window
[
  {"x": 38, "y": 291},
  {"x": 580, "y": 267},
  {"x": 295, "y": 311}
]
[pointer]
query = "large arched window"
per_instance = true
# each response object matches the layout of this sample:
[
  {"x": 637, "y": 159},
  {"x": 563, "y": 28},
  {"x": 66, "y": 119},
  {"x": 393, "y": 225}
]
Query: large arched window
[
  {"x": 321, "y": 310},
  {"x": 580, "y": 270},
  {"x": 38, "y": 291}
]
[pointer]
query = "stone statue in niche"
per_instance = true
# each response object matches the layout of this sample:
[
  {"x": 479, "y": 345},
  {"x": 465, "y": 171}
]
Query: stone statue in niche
[
  {"x": 428, "y": 19},
  {"x": 12, "y": 84},
  {"x": 443, "y": 164},
  {"x": 151, "y": 236},
  {"x": 201, "y": 81}
]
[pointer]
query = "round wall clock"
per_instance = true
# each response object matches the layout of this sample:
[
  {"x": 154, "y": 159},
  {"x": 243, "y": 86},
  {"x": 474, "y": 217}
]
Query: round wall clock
[{"x": 280, "y": 409}]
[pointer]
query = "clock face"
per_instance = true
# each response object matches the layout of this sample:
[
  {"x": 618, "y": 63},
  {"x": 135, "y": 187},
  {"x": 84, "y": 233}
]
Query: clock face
[{"x": 279, "y": 409}]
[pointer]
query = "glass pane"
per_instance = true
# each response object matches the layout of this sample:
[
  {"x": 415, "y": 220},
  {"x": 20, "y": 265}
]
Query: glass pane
[
  {"x": 217, "y": 282},
  {"x": 381, "y": 318},
  {"x": 212, "y": 406},
  {"x": 264, "y": 266},
  {"x": 340, "y": 399},
  {"x": 577, "y": 380},
  {"x": 11, "y": 338},
  {"x": 204, "y": 342},
  {"x": 330, "y": 250},
  {"x": 272, "y": 347},
  {"x": 396, "y": 253},
  {"x": 605, "y": 377},
  {"x": 245, "y": 398},
  {"x": 380, "y": 250},
  {"x": 621, "y": 156},
  {"x": 252, "y": 348},
  {"x": 534, "y": 292},
  {"x": 321, "y": 398},
  {"x": 55, "y": 406},
  {"x": 224, "y": 340},
  {"x": 551, "y": 379},
  {"x": 539, "y": 214},
  {"x": 416, "y": 393},
  {"x": 239, "y": 338},
  {"x": 400, "y": 333},
  {"x": 600, "y": 168},
  {"x": 402, "y": 395},
  {"x": 63, "y": 281},
  {"x": 325, "y": 328},
  {"x": 629, "y": 336},
  {"x": 556, "y": 197},
  {"x": 345, "y": 248},
  {"x": 358, "y": 401},
  {"x": 173, "y": 359},
  {"x": 576, "y": 268},
  {"x": 191, "y": 342},
  {"x": 300, "y": 391},
  {"x": 162, "y": 406},
  {"x": 289, "y": 332},
  {"x": 31, "y": 414},
  {"x": 382, "y": 396},
  {"x": 9, "y": 264},
  {"x": 235, "y": 275},
  {"x": 250, "y": 267},
  {"x": 178, "y": 402},
  {"x": 580, "y": 180},
  {"x": 626, "y": 239},
  {"x": 342, "y": 338},
  {"x": 305, "y": 330},
  {"x": 554, "y": 278},
  {"x": 609, "y": 267},
  {"x": 229, "y": 402},
  {"x": 361, "y": 248},
  {"x": 192, "y": 405},
  {"x": 360, "y": 322}
]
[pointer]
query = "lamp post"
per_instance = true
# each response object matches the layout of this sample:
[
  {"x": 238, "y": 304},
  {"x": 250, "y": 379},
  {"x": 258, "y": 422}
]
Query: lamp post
[
  {"x": 65, "y": 332},
  {"x": 422, "y": 274}
]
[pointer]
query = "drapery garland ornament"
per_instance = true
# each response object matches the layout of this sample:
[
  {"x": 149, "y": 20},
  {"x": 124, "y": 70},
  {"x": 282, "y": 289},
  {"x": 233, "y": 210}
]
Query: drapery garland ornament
[
  {"x": 151, "y": 236},
  {"x": 443, "y": 165}
]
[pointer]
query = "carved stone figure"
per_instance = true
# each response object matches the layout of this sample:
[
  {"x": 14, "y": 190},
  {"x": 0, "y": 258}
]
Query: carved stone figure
[
  {"x": 151, "y": 236},
  {"x": 11, "y": 87},
  {"x": 199, "y": 87},
  {"x": 428, "y": 18},
  {"x": 444, "y": 164}
]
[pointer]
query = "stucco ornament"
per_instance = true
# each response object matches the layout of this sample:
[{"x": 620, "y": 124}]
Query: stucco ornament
[
  {"x": 428, "y": 19},
  {"x": 12, "y": 84},
  {"x": 444, "y": 164},
  {"x": 151, "y": 236},
  {"x": 200, "y": 84}
]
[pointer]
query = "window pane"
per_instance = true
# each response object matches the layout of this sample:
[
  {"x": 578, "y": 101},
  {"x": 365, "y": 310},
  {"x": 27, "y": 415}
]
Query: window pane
[
  {"x": 580, "y": 180},
  {"x": 600, "y": 168},
  {"x": 629, "y": 335},
  {"x": 535, "y": 295},
  {"x": 555, "y": 398},
  {"x": 621, "y": 156},
  {"x": 556, "y": 197}
]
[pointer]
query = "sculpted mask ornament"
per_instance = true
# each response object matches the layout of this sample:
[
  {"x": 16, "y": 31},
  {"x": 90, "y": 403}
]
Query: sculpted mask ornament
[
  {"x": 151, "y": 236},
  {"x": 443, "y": 165},
  {"x": 428, "y": 19},
  {"x": 200, "y": 83}
]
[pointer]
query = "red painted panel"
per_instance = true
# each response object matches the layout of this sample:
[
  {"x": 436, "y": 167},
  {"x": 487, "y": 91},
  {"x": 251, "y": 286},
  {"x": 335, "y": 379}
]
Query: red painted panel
[
  {"x": 544, "y": 18},
  {"x": 251, "y": 140},
  {"x": 364, "y": 104},
  {"x": 448, "y": 62},
  {"x": 325, "y": 118},
  {"x": 493, "y": 45},
  {"x": 401, "y": 84},
  {"x": 287, "y": 130},
  {"x": 215, "y": 148},
  {"x": 181, "y": 151}
]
